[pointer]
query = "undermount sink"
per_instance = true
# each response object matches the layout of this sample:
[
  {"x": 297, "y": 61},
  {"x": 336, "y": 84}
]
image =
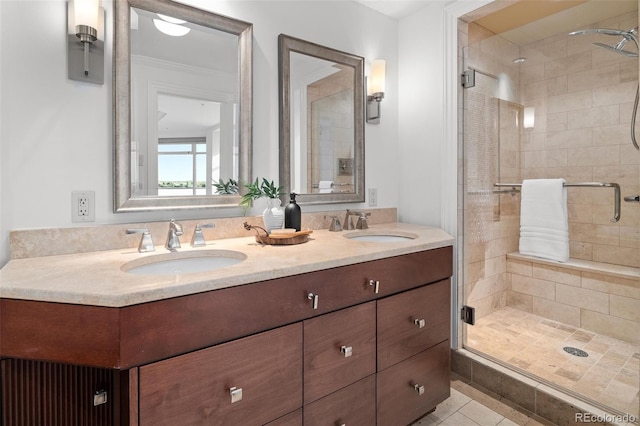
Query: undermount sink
[
  {"x": 381, "y": 236},
  {"x": 178, "y": 263}
]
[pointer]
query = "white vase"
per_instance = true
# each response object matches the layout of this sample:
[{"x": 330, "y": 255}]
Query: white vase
[{"x": 273, "y": 215}]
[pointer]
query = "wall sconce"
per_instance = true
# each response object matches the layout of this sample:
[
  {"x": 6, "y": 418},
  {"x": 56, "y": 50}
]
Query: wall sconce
[
  {"x": 85, "y": 41},
  {"x": 375, "y": 91},
  {"x": 529, "y": 117}
]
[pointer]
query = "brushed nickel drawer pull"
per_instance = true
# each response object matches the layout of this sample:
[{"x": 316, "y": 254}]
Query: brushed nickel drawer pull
[
  {"x": 99, "y": 397},
  {"x": 376, "y": 285},
  {"x": 420, "y": 322},
  {"x": 347, "y": 351},
  {"x": 313, "y": 297},
  {"x": 419, "y": 389},
  {"x": 236, "y": 394}
]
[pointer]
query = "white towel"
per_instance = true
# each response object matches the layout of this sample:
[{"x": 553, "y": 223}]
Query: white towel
[
  {"x": 325, "y": 186},
  {"x": 544, "y": 223}
]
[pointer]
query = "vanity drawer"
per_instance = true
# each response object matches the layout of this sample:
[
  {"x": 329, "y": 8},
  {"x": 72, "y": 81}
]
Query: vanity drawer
[
  {"x": 412, "y": 388},
  {"x": 197, "y": 388},
  {"x": 339, "y": 349},
  {"x": 354, "y": 405},
  {"x": 412, "y": 321},
  {"x": 400, "y": 273}
]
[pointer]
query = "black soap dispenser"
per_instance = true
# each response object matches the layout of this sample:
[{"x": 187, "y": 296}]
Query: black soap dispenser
[{"x": 292, "y": 214}]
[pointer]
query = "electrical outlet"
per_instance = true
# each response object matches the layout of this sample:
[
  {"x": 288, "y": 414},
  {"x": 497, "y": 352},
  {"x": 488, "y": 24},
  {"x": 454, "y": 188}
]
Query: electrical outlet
[
  {"x": 83, "y": 206},
  {"x": 373, "y": 197}
]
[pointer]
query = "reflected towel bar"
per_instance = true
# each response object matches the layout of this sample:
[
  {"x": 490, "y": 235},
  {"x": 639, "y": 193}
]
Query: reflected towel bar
[{"x": 615, "y": 186}]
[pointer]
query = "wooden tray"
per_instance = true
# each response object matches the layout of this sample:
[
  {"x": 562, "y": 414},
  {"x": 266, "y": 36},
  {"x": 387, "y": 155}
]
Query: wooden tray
[{"x": 281, "y": 240}]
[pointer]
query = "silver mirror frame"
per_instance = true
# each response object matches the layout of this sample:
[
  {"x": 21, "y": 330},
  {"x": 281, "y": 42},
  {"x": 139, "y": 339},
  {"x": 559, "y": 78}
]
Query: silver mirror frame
[
  {"x": 286, "y": 45},
  {"x": 124, "y": 200}
]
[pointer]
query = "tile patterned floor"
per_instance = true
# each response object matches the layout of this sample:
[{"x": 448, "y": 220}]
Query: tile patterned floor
[
  {"x": 468, "y": 406},
  {"x": 609, "y": 375}
]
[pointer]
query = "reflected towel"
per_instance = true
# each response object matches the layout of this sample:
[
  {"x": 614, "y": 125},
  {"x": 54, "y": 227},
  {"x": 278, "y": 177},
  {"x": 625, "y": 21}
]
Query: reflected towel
[
  {"x": 325, "y": 186},
  {"x": 544, "y": 223}
]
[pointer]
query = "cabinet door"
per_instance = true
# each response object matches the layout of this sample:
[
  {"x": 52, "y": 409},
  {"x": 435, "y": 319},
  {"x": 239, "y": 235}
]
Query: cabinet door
[
  {"x": 412, "y": 388},
  {"x": 413, "y": 321},
  {"x": 352, "y": 406},
  {"x": 249, "y": 381},
  {"x": 339, "y": 349}
]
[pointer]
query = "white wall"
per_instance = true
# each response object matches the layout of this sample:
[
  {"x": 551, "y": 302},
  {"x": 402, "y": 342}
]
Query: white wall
[
  {"x": 421, "y": 115},
  {"x": 56, "y": 134}
]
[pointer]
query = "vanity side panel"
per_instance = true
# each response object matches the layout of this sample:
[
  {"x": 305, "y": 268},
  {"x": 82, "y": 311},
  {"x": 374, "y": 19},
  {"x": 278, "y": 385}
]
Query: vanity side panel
[{"x": 58, "y": 332}]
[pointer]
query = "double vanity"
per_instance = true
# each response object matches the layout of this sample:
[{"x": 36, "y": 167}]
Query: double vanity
[{"x": 350, "y": 328}]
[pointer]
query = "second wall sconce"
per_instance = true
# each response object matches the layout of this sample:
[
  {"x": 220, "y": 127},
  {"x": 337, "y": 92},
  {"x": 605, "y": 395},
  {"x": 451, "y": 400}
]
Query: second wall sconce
[
  {"x": 375, "y": 91},
  {"x": 85, "y": 41}
]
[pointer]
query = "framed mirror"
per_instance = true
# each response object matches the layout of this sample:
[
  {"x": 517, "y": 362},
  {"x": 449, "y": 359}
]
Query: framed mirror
[
  {"x": 182, "y": 107},
  {"x": 321, "y": 122}
]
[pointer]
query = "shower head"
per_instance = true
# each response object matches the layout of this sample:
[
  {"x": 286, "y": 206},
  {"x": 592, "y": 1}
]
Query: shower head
[
  {"x": 630, "y": 35},
  {"x": 618, "y": 50}
]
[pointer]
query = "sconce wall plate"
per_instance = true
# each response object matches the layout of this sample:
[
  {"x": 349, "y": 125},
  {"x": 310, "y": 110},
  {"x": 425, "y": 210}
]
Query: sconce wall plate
[
  {"x": 76, "y": 51},
  {"x": 373, "y": 110}
]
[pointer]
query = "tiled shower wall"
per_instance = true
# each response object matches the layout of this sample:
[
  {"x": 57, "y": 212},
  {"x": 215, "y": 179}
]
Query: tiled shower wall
[{"x": 583, "y": 98}]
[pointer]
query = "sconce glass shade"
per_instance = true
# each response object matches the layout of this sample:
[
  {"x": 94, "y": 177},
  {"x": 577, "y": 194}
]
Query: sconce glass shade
[
  {"x": 529, "y": 117},
  {"x": 377, "y": 77},
  {"x": 86, "y": 12}
]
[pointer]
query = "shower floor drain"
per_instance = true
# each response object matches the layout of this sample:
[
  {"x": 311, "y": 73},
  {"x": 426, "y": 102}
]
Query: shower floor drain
[{"x": 575, "y": 351}]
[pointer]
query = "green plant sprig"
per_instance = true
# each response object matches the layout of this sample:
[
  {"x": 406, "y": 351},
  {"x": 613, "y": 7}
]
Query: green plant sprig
[{"x": 259, "y": 189}]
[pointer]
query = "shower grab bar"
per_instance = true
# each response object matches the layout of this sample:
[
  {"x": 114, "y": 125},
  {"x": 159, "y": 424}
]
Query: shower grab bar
[{"x": 615, "y": 186}]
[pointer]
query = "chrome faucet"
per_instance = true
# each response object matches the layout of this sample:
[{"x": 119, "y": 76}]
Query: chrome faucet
[
  {"x": 362, "y": 220},
  {"x": 175, "y": 230}
]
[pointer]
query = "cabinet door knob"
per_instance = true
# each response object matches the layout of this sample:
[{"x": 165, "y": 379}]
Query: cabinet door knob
[
  {"x": 346, "y": 350},
  {"x": 419, "y": 389},
  {"x": 314, "y": 298},
  {"x": 376, "y": 285},
  {"x": 236, "y": 394},
  {"x": 420, "y": 323}
]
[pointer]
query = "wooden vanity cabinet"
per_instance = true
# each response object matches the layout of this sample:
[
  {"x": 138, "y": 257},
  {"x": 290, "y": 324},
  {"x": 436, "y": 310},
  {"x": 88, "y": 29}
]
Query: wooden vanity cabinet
[{"x": 283, "y": 342}]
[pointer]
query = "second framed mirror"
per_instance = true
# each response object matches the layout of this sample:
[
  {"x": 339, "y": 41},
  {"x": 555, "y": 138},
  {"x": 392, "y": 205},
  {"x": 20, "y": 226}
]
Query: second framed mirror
[{"x": 321, "y": 122}]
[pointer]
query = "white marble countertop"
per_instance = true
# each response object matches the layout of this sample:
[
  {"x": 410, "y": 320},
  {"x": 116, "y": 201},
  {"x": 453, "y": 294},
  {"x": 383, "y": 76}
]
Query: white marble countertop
[{"x": 96, "y": 278}]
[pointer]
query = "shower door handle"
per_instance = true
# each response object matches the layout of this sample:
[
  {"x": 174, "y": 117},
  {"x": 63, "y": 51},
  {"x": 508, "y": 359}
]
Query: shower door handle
[{"x": 632, "y": 198}]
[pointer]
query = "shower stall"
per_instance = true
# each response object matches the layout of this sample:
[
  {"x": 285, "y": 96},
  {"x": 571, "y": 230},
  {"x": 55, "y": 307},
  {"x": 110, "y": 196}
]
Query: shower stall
[{"x": 553, "y": 96}]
